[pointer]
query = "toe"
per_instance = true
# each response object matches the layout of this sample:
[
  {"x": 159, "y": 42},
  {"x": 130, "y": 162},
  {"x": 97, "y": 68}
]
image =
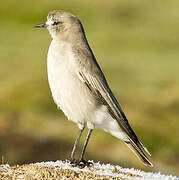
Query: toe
[{"x": 83, "y": 163}]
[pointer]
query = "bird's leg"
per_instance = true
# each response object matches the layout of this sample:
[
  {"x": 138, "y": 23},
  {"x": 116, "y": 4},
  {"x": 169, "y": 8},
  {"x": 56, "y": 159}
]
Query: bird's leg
[
  {"x": 82, "y": 162},
  {"x": 76, "y": 143}
]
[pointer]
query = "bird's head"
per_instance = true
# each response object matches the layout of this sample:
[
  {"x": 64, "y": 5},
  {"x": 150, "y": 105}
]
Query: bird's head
[{"x": 61, "y": 24}]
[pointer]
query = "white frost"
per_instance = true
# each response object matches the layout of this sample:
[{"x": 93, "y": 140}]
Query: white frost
[
  {"x": 108, "y": 169},
  {"x": 4, "y": 167}
]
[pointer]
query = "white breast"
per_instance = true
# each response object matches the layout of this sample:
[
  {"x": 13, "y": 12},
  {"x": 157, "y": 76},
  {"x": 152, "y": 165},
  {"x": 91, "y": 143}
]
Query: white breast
[{"x": 67, "y": 89}]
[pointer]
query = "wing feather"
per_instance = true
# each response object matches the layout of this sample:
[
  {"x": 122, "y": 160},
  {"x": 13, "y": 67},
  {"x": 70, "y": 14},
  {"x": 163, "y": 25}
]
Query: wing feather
[{"x": 96, "y": 82}]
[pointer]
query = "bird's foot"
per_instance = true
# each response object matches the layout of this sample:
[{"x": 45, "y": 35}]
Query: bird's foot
[
  {"x": 80, "y": 163},
  {"x": 73, "y": 162}
]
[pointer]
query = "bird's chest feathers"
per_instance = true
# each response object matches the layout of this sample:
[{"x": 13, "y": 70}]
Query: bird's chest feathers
[
  {"x": 60, "y": 60},
  {"x": 61, "y": 70}
]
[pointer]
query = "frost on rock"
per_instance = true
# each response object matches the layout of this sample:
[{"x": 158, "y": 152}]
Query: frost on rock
[
  {"x": 111, "y": 170},
  {"x": 64, "y": 170},
  {"x": 4, "y": 167}
]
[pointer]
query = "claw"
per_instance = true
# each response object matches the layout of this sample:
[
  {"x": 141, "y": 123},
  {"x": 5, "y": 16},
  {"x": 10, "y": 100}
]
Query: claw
[
  {"x": 80, "y": 163},
  {"x": 74, "y": 162},
  {"x": 83, "y": 163}
]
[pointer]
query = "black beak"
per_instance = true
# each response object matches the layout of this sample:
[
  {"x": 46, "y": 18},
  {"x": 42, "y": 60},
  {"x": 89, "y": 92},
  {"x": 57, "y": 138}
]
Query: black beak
[{"x": 43, "y": 25}]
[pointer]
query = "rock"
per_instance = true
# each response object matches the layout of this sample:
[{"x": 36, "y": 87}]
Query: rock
[{"x": 62, "y": 170}]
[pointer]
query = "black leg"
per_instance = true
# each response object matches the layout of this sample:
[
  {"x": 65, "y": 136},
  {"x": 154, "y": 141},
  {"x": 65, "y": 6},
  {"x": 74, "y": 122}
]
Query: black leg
[
  {"x": 85, "y": 144},
  {"x": 76, "y": 143}
]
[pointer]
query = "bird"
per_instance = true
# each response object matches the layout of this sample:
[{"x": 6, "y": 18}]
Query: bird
[{"x": 79, "y": 87}]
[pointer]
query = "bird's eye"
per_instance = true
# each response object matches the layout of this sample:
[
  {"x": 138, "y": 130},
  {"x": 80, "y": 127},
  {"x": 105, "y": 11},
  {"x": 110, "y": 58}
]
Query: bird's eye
[{"x": 55, "y": 23}]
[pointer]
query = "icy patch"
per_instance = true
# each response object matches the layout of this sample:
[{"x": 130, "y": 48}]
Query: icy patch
[
  {"x": 111, "y": 170},
  {"x": 7, "y": 168},
  {"x": 4, "y": 167}
]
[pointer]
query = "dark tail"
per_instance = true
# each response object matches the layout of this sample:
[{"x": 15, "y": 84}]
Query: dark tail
[{"x": 137, "y": 150}]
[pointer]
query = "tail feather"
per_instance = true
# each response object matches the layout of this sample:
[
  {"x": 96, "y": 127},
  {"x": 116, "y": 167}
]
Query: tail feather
[
  {"x": 146, "y": 150},
  {"x": 139, "y": 153}
]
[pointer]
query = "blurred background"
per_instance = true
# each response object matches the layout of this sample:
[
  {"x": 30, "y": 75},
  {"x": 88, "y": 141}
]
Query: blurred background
[{"x": 137, "y": 45}]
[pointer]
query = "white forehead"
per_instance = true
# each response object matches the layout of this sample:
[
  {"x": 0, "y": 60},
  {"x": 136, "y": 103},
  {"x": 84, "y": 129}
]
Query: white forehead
[{"x": 49, "y": 22}]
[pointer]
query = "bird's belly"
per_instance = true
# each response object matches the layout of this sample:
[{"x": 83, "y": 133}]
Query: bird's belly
[
  {"x": 103, "y": 120},
  {"x": 69, "y": 92}
]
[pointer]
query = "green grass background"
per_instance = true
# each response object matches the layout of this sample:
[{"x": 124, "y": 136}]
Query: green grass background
[{"x": 137, "y": 45}]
